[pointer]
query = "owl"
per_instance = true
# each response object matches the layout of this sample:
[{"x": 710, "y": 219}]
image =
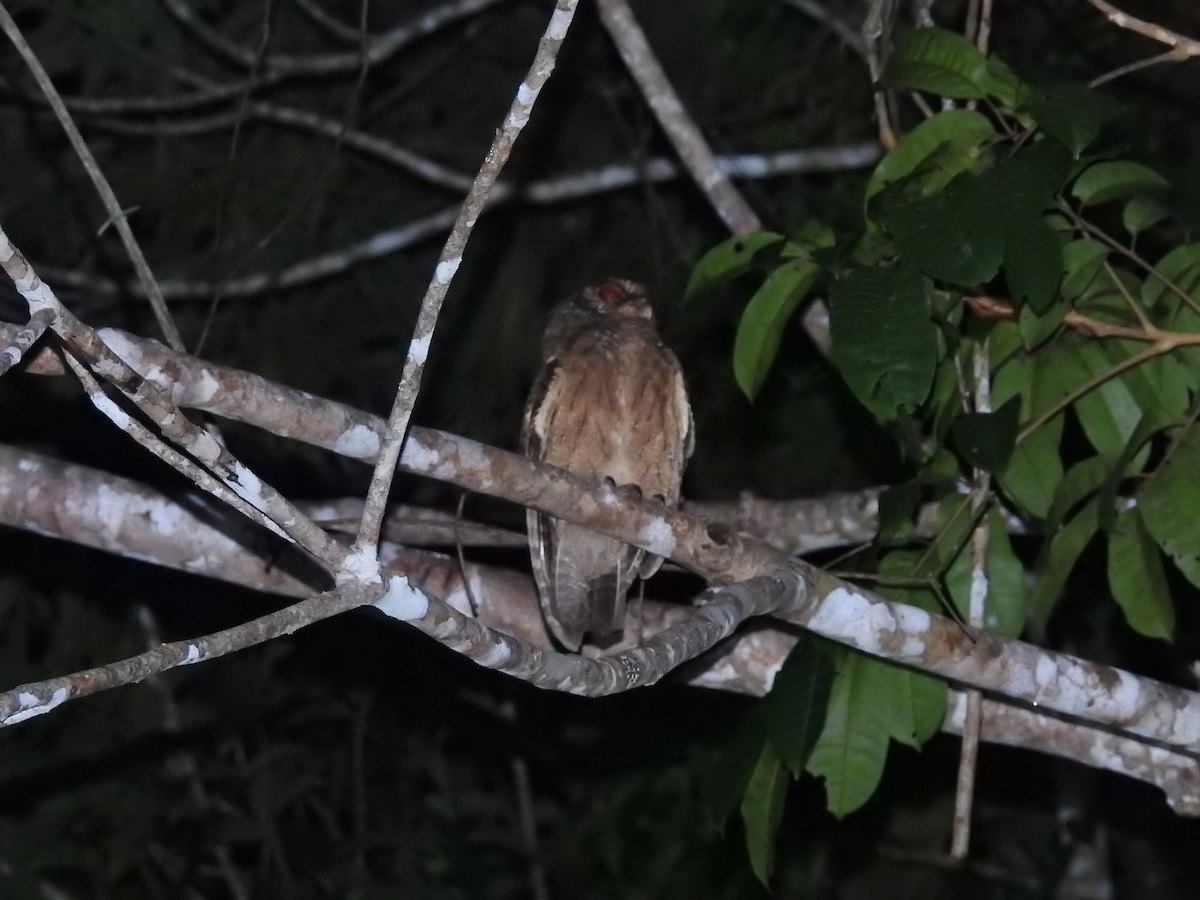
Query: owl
[{"x": 609, "y": 403}]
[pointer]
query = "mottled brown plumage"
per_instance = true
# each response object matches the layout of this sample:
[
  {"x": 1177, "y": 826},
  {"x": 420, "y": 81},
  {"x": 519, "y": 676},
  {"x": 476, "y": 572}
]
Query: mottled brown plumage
[{"x": 609, "y": 402}]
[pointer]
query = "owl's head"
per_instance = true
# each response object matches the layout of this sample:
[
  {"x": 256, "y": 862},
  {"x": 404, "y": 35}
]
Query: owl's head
[{"x": 617, "y": 297}]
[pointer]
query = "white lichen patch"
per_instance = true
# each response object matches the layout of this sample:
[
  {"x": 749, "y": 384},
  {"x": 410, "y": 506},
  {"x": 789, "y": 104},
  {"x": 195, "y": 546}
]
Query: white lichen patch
[
  {"x": 657, "y": 537},
  {"x": 206, "y": 388},
  {"x": 121, "y": 345},
  {"x": 446, "y": 269},
  {"x": 111, "y": 508},
  {"x": 1127, "y": 694},
  {"x": 31, "y": 706},
  {"x": 418, "y": 349},
  {"x": 246, "y": 484},
  {"x": 167, "y": 518},
  {"x": 848, "y": 615},
  {"x": 459, "y": 600},
  {"x": 192, "y": 655},
  {"x": 419, "y": 457},
  {"x": 915, "y": 623},
  {"x": 474, "y": 456},
  {"x": 358, "y": 442},
  {"x": 28, "y": 465},
  {"x": 362, "y": 566},
  {"x": 115, "y": 414},
  {"x": 496, "y": 656},
  {"x": 402, "y": 601},
  {"x": 560, "y": 21}
]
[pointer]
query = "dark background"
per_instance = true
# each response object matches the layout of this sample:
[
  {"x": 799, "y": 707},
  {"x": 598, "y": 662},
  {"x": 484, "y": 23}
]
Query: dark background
[{"x": 356, "y": 759}]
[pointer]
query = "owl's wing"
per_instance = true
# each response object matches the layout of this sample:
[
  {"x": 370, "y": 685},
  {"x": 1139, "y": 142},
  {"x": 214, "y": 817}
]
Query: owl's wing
[
  {"x": 582, "y": 577},
  {"x": 648, "y": 563},
  {"x": 539, "y": 526}
]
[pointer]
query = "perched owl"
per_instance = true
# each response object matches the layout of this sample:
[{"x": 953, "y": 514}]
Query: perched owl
[{"x": 609, "y": 402}]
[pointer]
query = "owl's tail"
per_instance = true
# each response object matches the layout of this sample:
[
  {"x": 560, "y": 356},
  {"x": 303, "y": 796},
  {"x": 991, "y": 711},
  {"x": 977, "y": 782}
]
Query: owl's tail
[{"x": 606, "y": 604}]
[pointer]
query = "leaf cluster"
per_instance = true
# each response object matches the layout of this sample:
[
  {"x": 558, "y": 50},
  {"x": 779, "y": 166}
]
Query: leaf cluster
[{"x": 999, "y": 238}]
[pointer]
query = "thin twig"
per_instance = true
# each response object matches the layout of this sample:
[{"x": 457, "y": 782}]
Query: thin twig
[
  {"x": 111, "y": 205},
  {"x": 210, "y": 465},
  {"x": 876, "y": 26},
  {"x": 551, "y": 190},
  {"x": 964, "y": 796},
  {"x": 25, "y": 338},
  {"x": 448, "y": 263},
  {"x": 845, "y": 33},
  {"x": 380, "y": 48},
  {"x": 671, "y": 114},
  {"x": 1137, "y": 65},
  {"x": 1184, "y": 46}
]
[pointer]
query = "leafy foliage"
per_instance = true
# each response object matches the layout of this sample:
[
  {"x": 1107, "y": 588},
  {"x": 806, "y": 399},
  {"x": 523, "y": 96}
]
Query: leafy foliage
[{"x": 978, "y": 242}]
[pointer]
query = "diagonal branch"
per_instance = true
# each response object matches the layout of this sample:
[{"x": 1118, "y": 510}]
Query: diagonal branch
[
  {"x": 793, "y": 591},
  {"x": 448, "y": 263},
  {"x": 117, "y": 216},
  {"x": 46, "y": 496},
  {"x": 680, "y": 129}
]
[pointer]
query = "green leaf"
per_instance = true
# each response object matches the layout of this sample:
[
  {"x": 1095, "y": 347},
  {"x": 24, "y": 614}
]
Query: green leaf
[
  {"x": 789, "y": 719},
  {"x": 762, "y": 810},
  {"x": 883, "y": 340},
  {"x": 1109, "y": 412},
  {"x": 731, "y": 258},
  {"x": 1137, "y": 579},
  {"x": 1020, "y": 188},
  {"x": 937, "y": 61},
  {"x": 852, "y": 749},
  {"x": 796, "y": 704},
  {"x": 1058, "y": 559},
  {"x": 986, "y": 440},
  {"x": 953, "y": 235},
  {"x": 1083, "y": 261},
  {"x": 1000, "y": 82},
  {"x": 761, "y": 327},
  {"x": 1141, "y": 213},
  {"x": 1110, "y": 180},
  {"x": 1035, "y": 468},
  {"x": 1130, "y": 463},
  {"x": 1030, "y": 179},
  {"x": 1081, "y": 481},
  {"x": 1033, "y": 259},
  {"x": 1070, "y": 113},
  {"x": 918, "y": 703},
  {"x": 812, "y": 234},
  {"x": 1181, "y": 267},
  {"x": 963, "y": 131},
  {"x": 1007, "y": 597},
  {"x": 1038, "y": 326},
  {"x": 1169, "y": 503}
]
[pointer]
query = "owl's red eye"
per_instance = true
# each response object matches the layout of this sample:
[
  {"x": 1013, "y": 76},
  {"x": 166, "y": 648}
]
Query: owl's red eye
[{"x": 610, "y": 292}]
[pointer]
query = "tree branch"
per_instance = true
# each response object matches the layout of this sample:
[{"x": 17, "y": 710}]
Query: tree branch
[{"x": 448, "y": 263}]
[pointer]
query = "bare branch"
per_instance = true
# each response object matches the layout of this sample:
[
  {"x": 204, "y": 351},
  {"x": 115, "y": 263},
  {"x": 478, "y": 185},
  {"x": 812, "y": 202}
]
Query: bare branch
[
  {"x": 35, "y": 699},
  {"x": 234, "y": 482},
  {"x": 379, "y": 48},
  {"x": 813, "y": 599},
  {"x": 552, "y": 190},
  {"x": 1182, "y": 47},
  {"x": 448, "y": 263},
  {"x": 116, "y": 213},
  {"x": 683, "y": 133},
  {"x": 49, "y": 497},
  {"x": 18, "y": 345}
]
